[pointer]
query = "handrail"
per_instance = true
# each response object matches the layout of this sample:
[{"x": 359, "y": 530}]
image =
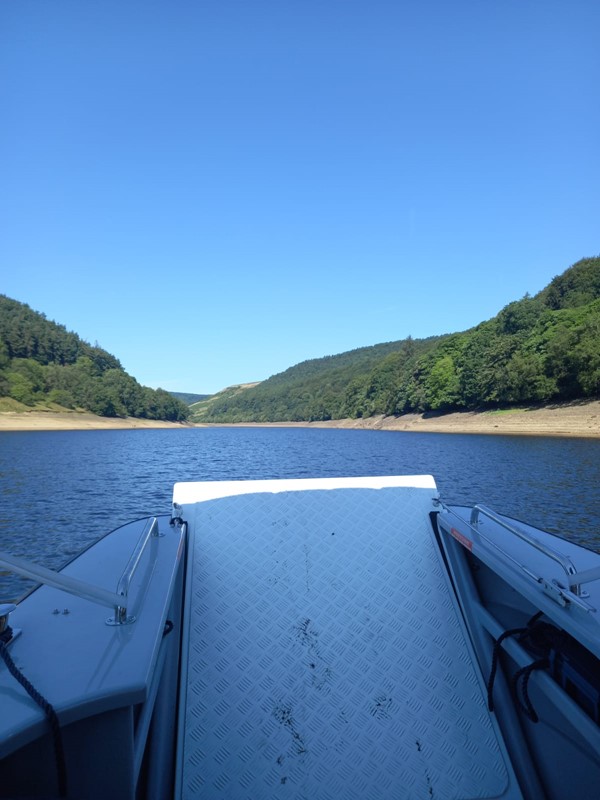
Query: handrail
[
  {"x": 59, "y": 581},
  {"x": 116, "y": 600},
  {"x": 121, "y": 618},
  {"x": 564, "y": 561},
  {"x": 573, "y": 583}
]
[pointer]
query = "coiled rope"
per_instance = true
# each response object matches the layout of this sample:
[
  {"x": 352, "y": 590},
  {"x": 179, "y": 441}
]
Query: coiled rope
[{"x": 47, "y": 708}]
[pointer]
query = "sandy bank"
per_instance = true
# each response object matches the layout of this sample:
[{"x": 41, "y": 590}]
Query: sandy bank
[
  {"x": 75, "y": 421},
  {"x": 572, "y": 419}
]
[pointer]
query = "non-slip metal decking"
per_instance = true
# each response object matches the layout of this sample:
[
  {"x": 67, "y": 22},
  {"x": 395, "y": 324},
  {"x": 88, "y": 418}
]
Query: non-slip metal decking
[{"x": 325, "y": 655}]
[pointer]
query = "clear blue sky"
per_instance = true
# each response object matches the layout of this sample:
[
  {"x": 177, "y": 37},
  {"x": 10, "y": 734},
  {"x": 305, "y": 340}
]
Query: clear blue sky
[{"x": 215, "y": 190}]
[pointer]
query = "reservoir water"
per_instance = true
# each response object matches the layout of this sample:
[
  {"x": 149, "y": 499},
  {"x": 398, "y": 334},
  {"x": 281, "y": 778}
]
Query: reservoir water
[{"x": 60, "y": 491}]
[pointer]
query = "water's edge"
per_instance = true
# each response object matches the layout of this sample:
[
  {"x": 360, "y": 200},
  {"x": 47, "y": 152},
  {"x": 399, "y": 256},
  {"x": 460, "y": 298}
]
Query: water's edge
[{"x": 575, "y": 419}]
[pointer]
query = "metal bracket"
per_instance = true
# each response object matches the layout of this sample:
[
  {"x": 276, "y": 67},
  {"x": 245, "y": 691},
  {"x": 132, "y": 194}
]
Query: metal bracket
[
  {"x": 554, "y": 592},
  {"x": 5, "y": 610}
]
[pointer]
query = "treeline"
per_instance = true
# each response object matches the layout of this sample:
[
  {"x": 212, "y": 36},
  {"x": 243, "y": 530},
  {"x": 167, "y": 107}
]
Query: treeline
[
  {"x": 313, "y": 390},
  {"x": 41, "y": 362},
  {"x": 188, "y": 398},
  {"x": 536, "y": 350}
]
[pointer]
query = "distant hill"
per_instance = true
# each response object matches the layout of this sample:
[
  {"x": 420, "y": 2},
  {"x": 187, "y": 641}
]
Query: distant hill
[
  {"x": 188, "y": 399},
  {"x": 43, "y": 364},
  {"x": 311, "y": 390},
  {"x": 202, "y": 409},
  {"x": 535, "y": 350}
]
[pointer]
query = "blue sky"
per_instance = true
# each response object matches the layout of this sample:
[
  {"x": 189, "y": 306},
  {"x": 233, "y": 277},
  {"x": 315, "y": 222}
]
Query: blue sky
[{"x": 214, "y": 190}]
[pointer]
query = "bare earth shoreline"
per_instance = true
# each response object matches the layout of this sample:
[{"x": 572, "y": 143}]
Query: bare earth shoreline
[{"x": 578, "y": 419}]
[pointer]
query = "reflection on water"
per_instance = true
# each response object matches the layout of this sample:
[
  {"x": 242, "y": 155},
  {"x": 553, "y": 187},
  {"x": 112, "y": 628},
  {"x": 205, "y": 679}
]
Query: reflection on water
[{"x": 59, "y": 491}]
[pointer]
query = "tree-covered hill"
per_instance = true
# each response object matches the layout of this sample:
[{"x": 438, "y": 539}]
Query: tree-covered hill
[
  {"x": 41, "y": 362},
  {"x": 311, "y": 390},
  {"x": 188, "y": 398},
  {"x": 535, "y": 350}
]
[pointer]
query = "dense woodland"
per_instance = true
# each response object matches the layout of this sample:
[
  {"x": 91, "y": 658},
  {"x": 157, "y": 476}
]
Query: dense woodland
[
  {"x": 537, "y": 350},
  {"x": 188, "y": 398},
  {"x": 43, "y": 363}
]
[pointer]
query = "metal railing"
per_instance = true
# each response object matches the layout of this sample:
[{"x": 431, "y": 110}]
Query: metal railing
[
  {"x": 574, "y": 580},
  {"x": 116, "y": 600},
  {"x": 120, "y": 617},
  {"x": 564, "y": 561}
]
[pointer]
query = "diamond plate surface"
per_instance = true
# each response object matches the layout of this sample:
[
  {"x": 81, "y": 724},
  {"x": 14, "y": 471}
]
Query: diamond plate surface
[{"x": 326, "y": 659}]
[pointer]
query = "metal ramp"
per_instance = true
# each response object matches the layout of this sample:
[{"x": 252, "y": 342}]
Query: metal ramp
[{"x": 326, "y": 658}]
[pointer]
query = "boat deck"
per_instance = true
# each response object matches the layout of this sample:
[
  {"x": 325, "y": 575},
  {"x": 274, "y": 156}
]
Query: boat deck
[{"x": 326, "y": 657}]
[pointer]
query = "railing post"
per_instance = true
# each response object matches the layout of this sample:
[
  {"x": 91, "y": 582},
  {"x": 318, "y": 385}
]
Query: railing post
[
  {"x": 120, "y": 617},
  {"x": 561, "y": 559}
]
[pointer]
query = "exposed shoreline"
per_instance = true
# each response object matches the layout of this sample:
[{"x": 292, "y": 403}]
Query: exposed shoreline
[
  {"x": 578, "y": 419},
  {"x": 581, "y": 420},
  {"x": 76, "y": 421}
]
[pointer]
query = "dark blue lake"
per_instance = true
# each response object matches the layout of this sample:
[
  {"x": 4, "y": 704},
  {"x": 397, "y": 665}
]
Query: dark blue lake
[{"x": 59, "y": 491}]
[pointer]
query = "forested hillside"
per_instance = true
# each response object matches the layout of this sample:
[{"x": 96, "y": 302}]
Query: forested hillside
[
  {"x": 43, "y": 363},
  {"x": 536, "y": 350},
  {"x": 188, "y": 398}
]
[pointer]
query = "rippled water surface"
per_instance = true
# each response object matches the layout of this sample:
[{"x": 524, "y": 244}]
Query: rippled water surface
[{"x": 59, "y": 491}]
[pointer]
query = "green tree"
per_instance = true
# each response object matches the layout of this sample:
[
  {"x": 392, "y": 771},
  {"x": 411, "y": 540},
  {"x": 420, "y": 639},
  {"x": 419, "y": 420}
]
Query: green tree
[
  {"x": 26, "y": 380},
  {"x": 524, "y": 380},
  {"x": 442, "y": 386}
]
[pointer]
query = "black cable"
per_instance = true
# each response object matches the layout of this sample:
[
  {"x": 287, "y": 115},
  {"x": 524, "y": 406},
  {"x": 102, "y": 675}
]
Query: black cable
[
  {"x": 496, "y": 653},
  {"x": 47, "y": 708},
  {"x": 525, "y": 673},
  {"x": 494, "y": 667}
]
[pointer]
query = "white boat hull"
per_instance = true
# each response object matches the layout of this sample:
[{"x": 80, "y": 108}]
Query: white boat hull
[{"x": 336, "y": 640}]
